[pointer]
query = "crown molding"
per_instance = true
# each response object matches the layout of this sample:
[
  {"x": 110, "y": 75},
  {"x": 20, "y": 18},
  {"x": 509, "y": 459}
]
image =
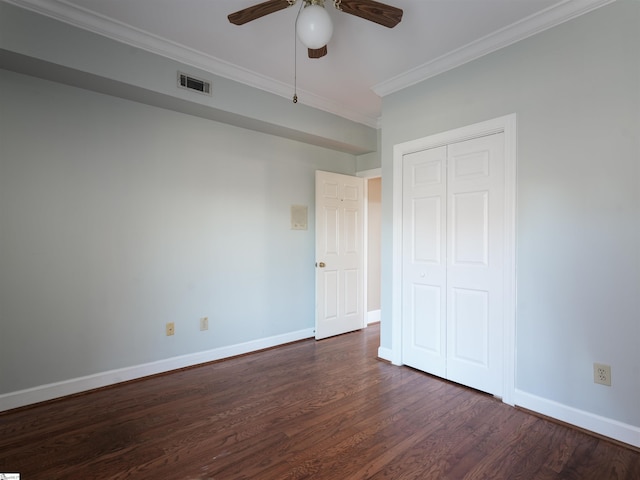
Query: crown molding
[
  {"x": 76, "y": 16},
  {"x": 527, "y": 27},
  {"x": 79, "y": 17}
]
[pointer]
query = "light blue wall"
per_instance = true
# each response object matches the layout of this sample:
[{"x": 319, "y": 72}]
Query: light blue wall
[
  {"x": 576, "y": 92},
  {"x": 117, "y": 217}
]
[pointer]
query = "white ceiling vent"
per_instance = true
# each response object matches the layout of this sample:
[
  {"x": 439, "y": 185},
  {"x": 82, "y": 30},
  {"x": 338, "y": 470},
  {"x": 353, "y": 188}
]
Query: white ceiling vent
[{"x": 192, "y": 83}]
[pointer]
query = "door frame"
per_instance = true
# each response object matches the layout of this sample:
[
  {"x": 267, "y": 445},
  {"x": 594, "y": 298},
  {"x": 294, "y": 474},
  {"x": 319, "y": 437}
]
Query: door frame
[{"x": 506, "y": 125}]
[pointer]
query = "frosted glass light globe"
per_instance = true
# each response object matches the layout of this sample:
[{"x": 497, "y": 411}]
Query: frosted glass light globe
[{"x": 314, "y": 27}]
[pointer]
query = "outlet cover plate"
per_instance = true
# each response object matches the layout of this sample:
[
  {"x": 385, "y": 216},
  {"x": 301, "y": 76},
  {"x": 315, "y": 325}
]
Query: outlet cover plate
[
  {"x": 602, "y": 374},
  {"x": 170, "y": 329}
]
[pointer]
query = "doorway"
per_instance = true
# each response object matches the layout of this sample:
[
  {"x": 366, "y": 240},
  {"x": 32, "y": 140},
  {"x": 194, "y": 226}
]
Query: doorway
[{"x": 373, "y": 241}]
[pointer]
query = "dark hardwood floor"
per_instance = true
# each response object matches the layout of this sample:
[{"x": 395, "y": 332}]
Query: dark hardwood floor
[{"x": 321, "y": 410}]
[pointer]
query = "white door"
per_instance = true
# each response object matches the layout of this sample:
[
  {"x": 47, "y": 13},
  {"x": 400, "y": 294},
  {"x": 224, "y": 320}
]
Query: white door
[
  {"x": 339, "y": 254},
  {"x": 424, "y": 260},
  {"x": 453, "y": 249}
]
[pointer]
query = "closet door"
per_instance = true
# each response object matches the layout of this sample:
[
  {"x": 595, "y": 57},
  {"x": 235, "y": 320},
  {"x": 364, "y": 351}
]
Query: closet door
[
  {"x": 452, "y": 262},
  {"x": 475, "y": 219},
  {"x": 425, "y": 260}
]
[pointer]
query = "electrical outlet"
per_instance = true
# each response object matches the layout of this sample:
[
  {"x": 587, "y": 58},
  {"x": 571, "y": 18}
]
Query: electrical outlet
[
  {"x": 204, "y": 324},
  {"x": 602, "y": 374},
  {"x": 170, "y": 328}
]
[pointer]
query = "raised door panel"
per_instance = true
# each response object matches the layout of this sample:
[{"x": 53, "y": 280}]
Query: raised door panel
[
  {"x": 331, "y": 295},
  {"x": 469, "y": 326},
  {"x": 352, "y": 291},
  {"x": 331, "y": 239},
  {"x": 352, "y": 231},
  {"x": 470, "y": 229},
  {"x": 426, "y": 241},
  {"x": 425, "y": 318}
]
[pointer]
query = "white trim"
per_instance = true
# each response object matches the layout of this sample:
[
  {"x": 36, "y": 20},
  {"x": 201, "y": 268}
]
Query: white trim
[
  {"x": 532, "y": 25},
  {"x": 506, "y": 124},
  {"x": 365, "y": 250},
  {"x": 509, "y": 248},
  {"x": 42, "y": 393},
  {"x": 385, "y": 354},
  {"x": 373, "y": 316},
  {"x": 620, "y": 431},
  {"x": 121, "y": 32},
  {"x": 396, "y": 259}
]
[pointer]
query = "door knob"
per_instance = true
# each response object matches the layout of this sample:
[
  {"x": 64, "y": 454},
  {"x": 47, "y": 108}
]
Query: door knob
[{"x": 321, "y": 265}]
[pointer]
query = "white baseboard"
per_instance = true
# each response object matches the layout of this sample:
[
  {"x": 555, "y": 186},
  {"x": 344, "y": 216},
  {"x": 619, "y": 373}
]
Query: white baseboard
[
  {"x": 385, "y": 353},
  {"x": 595, "y": 423},
  {"x": 50, "y": 391},
  {"x": 374, "y": 316}
]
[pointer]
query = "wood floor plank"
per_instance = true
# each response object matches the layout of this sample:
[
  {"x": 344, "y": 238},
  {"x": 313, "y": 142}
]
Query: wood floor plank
[{"x": 318, "y": 410}]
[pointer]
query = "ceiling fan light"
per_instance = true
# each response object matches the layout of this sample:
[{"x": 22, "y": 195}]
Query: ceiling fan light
[{"x": 314, "y": 27}]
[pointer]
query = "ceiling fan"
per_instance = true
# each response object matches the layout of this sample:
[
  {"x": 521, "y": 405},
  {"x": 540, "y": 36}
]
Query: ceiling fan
[{"x": 313, "y": 24}]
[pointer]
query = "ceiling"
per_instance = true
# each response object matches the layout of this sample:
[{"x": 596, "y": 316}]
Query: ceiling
[{"x": 365, "y": 61}]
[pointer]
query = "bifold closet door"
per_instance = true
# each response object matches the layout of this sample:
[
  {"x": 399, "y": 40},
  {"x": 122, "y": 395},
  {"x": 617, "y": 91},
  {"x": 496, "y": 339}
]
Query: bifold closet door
[
  {"x": 424, "y": 260},
  {"x": 453, "y": 204}
]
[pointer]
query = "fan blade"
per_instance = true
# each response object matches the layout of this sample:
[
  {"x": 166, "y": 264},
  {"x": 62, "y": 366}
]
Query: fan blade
[
  {"x": 371, "y": 10},
  {"x": 256, "y": 11},
  {"x": 318, "y": 52}
]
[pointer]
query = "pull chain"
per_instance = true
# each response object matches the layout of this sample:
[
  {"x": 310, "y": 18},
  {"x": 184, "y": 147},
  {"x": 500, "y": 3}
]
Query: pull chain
[{"x": 295, "y": 57}]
